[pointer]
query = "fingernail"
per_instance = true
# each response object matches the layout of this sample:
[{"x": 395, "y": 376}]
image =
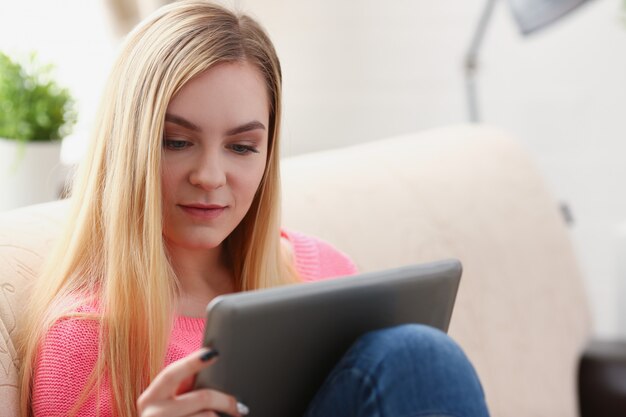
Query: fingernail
[
  {"x": 208, "y": 355},
  {"x": 242, "y": 409}
]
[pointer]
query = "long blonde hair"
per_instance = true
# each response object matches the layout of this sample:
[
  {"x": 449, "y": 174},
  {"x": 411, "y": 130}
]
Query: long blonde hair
[{"x": 112, "y": 247}]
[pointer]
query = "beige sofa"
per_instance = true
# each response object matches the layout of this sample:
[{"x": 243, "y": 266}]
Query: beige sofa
[{"x": 467, "y": 192}]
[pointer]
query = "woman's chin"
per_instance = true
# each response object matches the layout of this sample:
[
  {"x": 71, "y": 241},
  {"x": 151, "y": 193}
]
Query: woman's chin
[{"x": 203, "y": 244}]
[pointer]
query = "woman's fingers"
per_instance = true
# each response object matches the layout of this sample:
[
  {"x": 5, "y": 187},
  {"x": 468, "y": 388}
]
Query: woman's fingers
[
  {"x": 166, "y": 383},
  {"x": 162, "y": 397},
  {"x": 204, "y": 400}
]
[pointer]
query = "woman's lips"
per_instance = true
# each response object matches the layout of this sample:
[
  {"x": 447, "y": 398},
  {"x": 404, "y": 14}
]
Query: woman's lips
[{"x": 203, "y": 212}]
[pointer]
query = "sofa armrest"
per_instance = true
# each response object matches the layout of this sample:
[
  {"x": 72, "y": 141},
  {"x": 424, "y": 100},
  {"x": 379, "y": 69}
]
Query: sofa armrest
[{"x": 602, "y": 379}]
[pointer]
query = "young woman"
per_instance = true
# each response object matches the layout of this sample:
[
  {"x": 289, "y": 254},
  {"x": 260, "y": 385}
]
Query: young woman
[{"x": 177, "y": 202}]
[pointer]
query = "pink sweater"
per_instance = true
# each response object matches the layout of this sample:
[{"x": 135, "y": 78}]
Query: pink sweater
[{"x": 69, "y": 352}]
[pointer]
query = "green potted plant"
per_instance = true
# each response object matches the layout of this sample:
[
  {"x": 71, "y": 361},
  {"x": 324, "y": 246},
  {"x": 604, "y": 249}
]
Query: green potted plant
[{"x": 35, "y": 114}]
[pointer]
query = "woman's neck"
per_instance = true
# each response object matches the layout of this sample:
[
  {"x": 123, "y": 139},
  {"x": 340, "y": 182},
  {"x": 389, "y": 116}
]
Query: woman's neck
[{"x": 203, "y": 275}]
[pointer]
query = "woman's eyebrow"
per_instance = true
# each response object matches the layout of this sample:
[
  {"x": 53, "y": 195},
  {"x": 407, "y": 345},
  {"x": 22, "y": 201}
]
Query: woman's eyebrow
[
  {"x": 181, "y": 121},
  {"x": 253, "y": 125}
]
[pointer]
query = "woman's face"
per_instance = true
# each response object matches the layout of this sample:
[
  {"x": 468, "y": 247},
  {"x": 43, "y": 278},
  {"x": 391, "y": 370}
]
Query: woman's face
[{"x": 214, "y": 154}]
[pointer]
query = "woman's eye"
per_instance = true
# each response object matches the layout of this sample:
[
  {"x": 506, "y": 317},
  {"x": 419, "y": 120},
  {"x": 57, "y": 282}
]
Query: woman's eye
[
  {"x": 243, "y": 149},
  {"x": 175, "y": 144}
]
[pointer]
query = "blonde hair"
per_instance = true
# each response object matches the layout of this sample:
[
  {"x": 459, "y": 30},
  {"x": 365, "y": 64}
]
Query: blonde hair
[{"x": 112, "y": 247}]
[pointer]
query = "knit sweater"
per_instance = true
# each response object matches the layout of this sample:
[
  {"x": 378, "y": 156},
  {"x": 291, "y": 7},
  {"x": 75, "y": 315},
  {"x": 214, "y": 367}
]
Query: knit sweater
[{"x": 70, "y": 350}]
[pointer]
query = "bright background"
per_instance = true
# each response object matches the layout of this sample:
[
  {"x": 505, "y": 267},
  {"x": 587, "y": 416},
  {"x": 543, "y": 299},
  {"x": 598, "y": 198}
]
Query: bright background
[{"x": 359, "y": 70}]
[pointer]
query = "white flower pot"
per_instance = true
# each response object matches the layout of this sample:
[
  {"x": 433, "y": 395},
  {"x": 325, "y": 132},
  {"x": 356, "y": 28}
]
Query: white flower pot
[{"x": 31, "y": 174}]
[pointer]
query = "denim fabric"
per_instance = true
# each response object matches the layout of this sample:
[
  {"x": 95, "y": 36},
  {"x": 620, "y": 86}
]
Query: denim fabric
[{"x": 405, "y": 371}]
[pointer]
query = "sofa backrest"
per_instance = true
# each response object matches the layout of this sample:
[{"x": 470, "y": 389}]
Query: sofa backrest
[{"x": 471, "y": 193}]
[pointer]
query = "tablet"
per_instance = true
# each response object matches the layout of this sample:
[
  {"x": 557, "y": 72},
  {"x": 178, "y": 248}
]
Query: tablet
[{"x": 278, "y": 345}]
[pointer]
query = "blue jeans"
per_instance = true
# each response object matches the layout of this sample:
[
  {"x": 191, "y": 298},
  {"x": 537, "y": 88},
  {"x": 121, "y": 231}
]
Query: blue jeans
[{"x": 405, "y": 371}]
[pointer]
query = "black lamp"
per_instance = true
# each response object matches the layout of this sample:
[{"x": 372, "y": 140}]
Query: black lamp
[{"x": 530, "y": 15}]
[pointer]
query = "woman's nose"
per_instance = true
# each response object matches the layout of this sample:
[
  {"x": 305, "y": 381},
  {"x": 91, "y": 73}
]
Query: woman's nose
[{"x": 208, "y": 171}]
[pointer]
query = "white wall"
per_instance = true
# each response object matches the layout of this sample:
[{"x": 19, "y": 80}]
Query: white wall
[{"x": 358, "y": 70}]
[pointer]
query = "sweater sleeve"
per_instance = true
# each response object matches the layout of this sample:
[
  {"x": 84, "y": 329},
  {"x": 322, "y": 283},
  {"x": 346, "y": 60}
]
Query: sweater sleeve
[
  {"x": 63, "y": 368},
  {"x": 316, "y": 259}
]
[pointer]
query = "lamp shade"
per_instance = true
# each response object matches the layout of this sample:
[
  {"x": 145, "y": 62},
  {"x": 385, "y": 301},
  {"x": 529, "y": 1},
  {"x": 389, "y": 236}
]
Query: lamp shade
[{"x": 532, "y": 15}]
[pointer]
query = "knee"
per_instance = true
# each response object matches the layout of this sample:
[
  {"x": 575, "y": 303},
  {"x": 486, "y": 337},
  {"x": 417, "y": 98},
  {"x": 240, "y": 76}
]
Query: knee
[
  {"x": 413, "y": 343},
  {"x": 410, "y": 368},
  {"x": 413, "y": 340},
  {"x": 426, "y": 366},
  {"x": 417, "y": 336}
]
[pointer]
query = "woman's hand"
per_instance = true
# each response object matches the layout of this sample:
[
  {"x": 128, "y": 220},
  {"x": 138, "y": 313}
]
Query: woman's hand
[{"x": 162, "y": 397}]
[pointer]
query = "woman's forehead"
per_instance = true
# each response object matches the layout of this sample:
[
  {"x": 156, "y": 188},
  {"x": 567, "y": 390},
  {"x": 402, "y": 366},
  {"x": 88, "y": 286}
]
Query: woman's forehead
[{"x": 227, "y": 93}]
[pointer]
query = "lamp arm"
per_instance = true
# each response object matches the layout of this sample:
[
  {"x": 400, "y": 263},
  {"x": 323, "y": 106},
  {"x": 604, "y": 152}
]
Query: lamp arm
[{"x": 471, "y": 60}]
